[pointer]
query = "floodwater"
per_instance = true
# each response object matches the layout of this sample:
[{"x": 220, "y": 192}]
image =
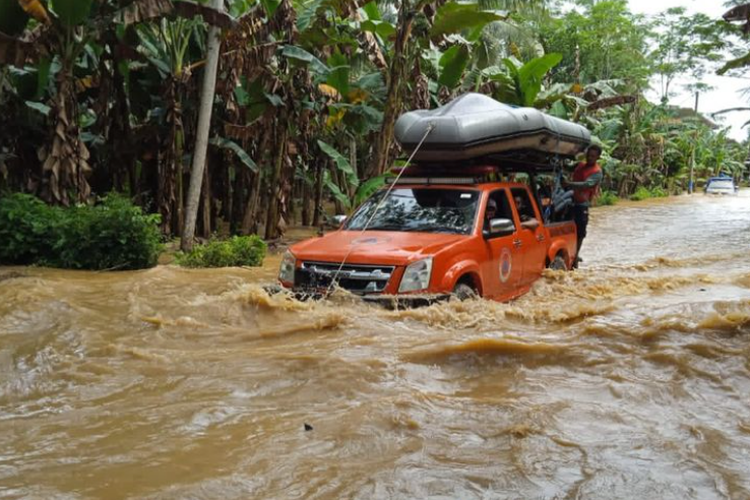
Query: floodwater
[{"x": 629, "y": 378}]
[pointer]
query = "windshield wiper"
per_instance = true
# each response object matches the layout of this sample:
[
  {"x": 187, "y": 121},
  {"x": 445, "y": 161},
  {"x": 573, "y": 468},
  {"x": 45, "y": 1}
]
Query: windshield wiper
[
  {"x": 439, "y": 229},
  {"x": 385, "y": 227}
]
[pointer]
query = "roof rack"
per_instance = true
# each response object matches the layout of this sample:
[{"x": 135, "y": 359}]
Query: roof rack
[
  {"x": 511, "y": 162},
  {"x": 436, "y": 180}
]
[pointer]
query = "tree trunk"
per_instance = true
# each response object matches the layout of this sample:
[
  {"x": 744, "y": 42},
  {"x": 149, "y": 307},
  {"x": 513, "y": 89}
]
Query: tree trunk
[
  {"x": 381, "y": 157},
  {"x": 227, "y": 199},
  {"x": 276, "y": 184},
  {"x": 206, "y": 206},
  {"x": 170, "y": 165},
  {"x": 306, "y": 203},
  {"x": 338, "y": 178},
  {"x": 318, "y": 206},
  {"x": 248, "y": 221},
  {"x": 291, "y": 206},
  {"x": 353, "y": 162},
  {"x": 123, "y": 132},
  {"x": 66, "y": 166},
  {"x": 179, "y": 205},
  {"x": 240, "y": 187},
  {"x": 204, "y": 124}
]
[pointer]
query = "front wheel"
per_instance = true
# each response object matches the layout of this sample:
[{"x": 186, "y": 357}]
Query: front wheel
[
  {"x": 462, "y": 291},
  {"x": 558, "y": 264}
]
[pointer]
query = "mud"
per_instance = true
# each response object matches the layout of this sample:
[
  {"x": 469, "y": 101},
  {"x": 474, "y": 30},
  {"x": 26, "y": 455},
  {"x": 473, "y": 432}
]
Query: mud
[{"x": 629, "y": 378}]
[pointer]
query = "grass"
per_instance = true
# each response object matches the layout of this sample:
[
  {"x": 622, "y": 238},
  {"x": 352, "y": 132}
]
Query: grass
[
  {"x": 644, "y": 193},
  {"x": 237, "y": 251}
]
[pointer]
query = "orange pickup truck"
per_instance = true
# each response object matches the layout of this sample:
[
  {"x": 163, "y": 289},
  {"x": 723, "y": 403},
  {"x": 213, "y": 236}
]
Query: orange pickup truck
[{"x": 430, "y": 238}]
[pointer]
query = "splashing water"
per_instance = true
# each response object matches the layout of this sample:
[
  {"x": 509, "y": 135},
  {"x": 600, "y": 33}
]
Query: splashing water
[{"x": 628, "y": 378}]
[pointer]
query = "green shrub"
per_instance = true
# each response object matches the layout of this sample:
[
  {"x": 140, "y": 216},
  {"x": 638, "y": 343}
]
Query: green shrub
[
  {"x": 111, "y": 235},
  {"x": 27, "y": 229},
  {"x": 643, "y": 193},
  {"x": 234, "y": 252},
  {"x": 606, "y": 198}
]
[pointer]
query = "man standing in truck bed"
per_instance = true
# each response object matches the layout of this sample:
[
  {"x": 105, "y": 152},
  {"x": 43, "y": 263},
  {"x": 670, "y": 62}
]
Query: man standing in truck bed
[{"x": 585, "y": 184}]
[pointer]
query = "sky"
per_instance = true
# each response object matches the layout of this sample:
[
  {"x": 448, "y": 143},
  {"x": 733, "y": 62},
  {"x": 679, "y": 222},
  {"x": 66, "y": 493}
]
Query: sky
[{"x": 727, "y": 89}]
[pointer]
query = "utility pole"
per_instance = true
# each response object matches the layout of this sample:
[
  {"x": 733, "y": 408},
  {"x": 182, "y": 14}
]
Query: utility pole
[
  {"x": 691, "y": 184},
  {"x": 204, "y": 124}
]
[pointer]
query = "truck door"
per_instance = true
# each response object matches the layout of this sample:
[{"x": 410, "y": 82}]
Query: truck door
[
  {"x": 501, "y": 270},
  {"x": 530, "y": 238}
]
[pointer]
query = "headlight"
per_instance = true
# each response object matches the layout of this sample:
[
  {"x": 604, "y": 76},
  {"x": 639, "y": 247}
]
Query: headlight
[
  {"x": 286, "y": 271},
  {"x": 416, "y": 276}
]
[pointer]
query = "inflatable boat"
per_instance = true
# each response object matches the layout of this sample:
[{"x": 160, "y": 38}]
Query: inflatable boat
[{"x": 475, "y": 126}]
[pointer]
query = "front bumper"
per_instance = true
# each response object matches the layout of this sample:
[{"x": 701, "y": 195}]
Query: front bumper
[
  {"x": 406, "y": 301},
  {"x": 403, "y": 301}
]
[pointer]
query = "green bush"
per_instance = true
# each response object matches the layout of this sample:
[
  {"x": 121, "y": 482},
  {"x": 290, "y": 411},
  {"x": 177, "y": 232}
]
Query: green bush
[
  {"x": 607, "y": 198},
  {"x": 111, "y": 235},
  {"x": 28, "y": 230},
  {"x": 642, "y": 193},
  {"x": 234, "y": 252}
]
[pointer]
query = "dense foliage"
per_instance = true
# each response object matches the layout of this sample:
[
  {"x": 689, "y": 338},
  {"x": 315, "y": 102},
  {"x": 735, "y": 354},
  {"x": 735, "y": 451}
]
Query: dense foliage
[
  {"x": 103, "y": 95},
  {"x": 28, "y": 230},
  {"x": 113, "y": 234},
  {"x": 237, "y": 251}
]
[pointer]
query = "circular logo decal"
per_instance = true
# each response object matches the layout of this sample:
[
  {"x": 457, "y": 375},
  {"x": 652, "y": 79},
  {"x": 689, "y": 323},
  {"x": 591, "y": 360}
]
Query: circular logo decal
[{"x": 506, "y": 264}]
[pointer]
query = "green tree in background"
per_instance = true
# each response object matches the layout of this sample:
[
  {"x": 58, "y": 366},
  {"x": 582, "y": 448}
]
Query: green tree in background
[
  {"x": 684, "y": 44},
  {"x": 105, "y": 96},
  {"x": 599, "y": 41}
]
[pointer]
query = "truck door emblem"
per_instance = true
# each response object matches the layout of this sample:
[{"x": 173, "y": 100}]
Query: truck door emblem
[{"x": 506, "y": 264}]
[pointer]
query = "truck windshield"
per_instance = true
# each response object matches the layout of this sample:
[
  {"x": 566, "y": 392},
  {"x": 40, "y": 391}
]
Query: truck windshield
[{"x": 419, "y": 210}]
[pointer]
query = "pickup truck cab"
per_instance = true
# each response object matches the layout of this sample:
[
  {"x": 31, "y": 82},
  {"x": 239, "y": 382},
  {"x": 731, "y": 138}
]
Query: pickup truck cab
[{"x": 434, "y": 238}]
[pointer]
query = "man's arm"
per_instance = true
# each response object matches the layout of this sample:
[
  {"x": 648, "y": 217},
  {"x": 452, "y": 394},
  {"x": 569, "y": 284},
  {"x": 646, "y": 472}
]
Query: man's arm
[{"x": 593, "y": 180}]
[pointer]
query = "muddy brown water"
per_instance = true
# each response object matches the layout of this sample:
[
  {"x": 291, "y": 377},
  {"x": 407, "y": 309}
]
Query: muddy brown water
[{"x": 629, "y": 378}]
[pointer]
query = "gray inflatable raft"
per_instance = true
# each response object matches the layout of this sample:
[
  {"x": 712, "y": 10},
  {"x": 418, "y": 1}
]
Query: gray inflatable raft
[{"x": 474, "y": 126}]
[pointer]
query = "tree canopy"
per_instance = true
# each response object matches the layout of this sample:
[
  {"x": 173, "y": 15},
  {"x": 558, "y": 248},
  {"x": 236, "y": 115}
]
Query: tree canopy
[{"x": 104, "y": 96}]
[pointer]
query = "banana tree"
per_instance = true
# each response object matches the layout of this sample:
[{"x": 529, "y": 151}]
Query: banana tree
[
  {"x": 342, "y": 56},
  {"x": 522, "y": 83},
  {"x": 450, "y": 18},
  {"x": 165, "y": 45},
  {"x": 66, "y": 32},
  {"x": 66, "y": 156}
]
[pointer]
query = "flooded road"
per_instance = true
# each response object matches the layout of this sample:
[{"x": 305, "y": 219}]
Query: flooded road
[{"x": 629, "y": 378}]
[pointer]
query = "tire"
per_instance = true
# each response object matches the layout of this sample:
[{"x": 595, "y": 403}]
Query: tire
[
  {"x": 464, "y": 291},
  {"x": 558, "y": 264}
]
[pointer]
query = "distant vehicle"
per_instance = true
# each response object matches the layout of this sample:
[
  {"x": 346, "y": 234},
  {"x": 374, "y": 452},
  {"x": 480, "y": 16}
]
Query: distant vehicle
[{"x": 721, "y": 185}]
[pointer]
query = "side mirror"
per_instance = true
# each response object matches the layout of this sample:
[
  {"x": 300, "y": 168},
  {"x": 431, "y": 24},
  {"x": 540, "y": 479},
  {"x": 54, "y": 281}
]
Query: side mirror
[
  {"x": 338, "y": 220},
  {"x": 500, "y": 227}
]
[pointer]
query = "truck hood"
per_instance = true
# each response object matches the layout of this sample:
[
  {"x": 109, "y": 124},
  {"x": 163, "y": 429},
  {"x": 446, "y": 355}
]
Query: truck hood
[{"x": 374, "y": 247}]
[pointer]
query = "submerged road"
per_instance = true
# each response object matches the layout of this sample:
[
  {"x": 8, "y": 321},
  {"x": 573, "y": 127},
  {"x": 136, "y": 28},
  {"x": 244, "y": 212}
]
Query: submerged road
[{"x": 627, "y": 379}]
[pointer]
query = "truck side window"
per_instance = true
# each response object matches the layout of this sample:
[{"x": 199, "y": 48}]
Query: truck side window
[
  {"x": 498, "y": 201},
  {"x": 523, "y": 204}
]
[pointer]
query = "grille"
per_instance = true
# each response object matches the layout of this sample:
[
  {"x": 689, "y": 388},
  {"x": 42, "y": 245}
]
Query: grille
[{"x": 359, "y": 279}]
